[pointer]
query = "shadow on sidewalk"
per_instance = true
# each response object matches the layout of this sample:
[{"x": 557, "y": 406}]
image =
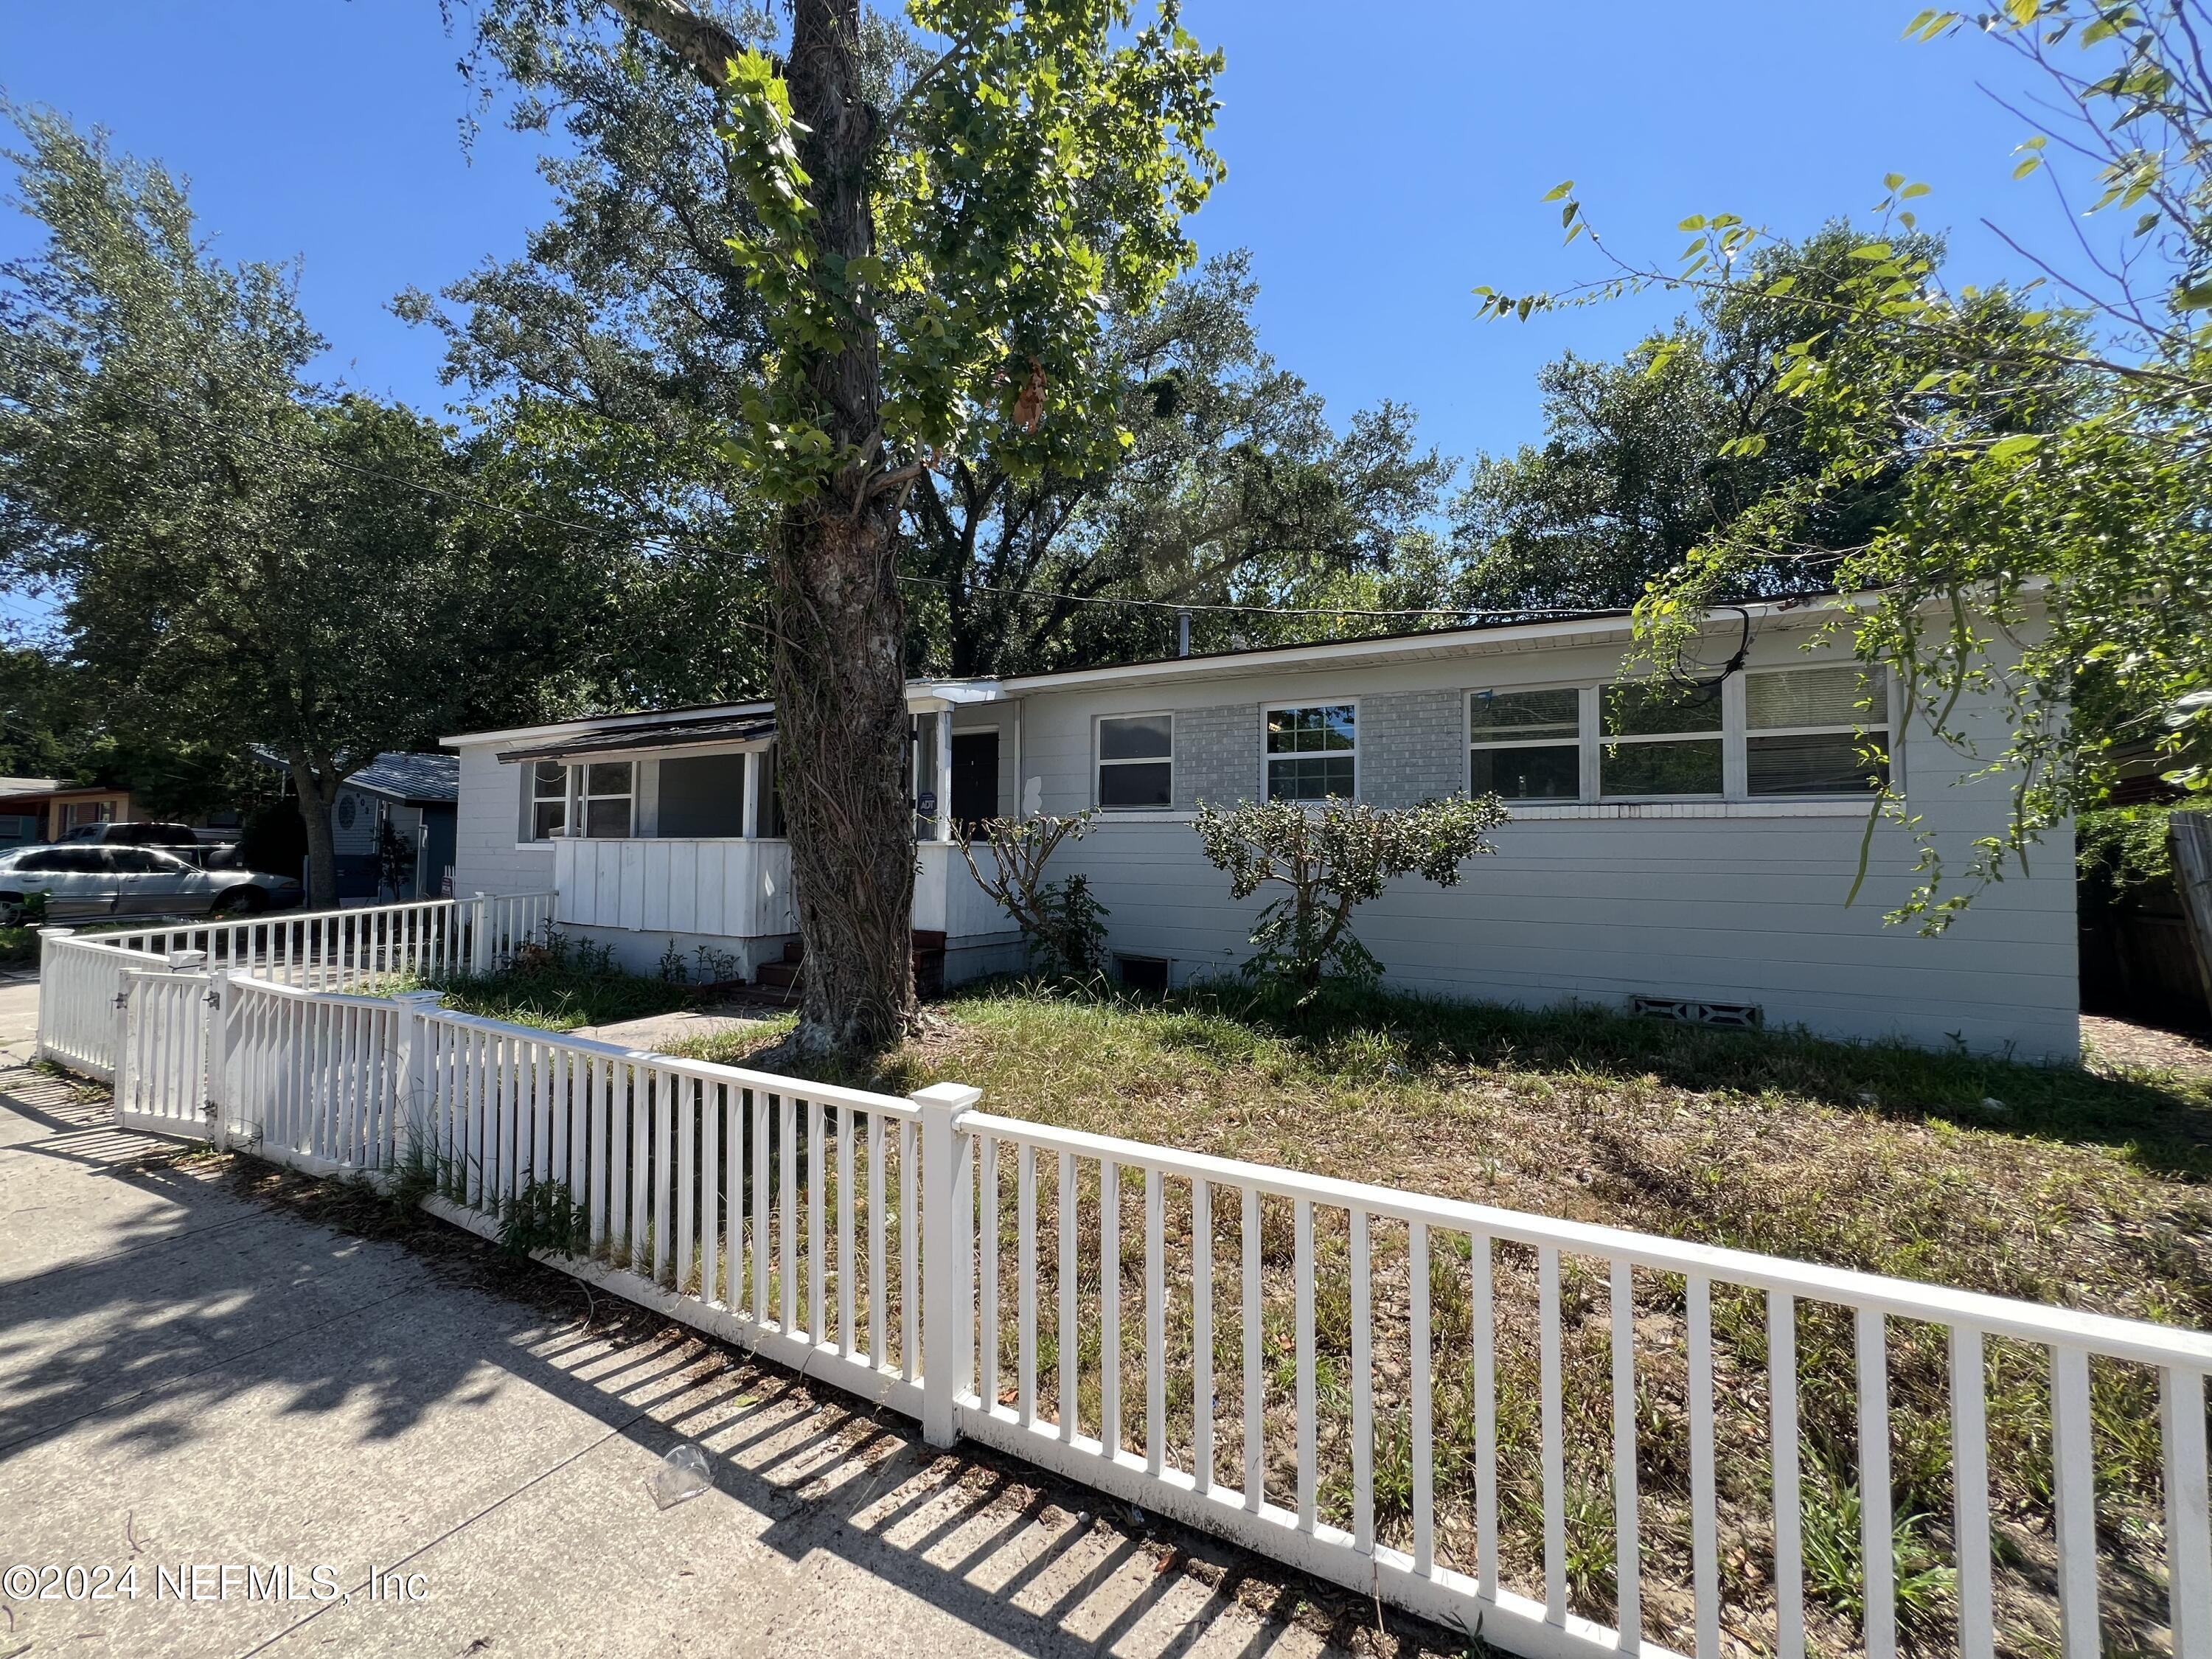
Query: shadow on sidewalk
[{"x": 238, "y": 1278}]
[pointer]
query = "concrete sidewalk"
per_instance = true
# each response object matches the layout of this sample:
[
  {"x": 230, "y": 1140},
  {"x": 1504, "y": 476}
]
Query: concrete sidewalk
[{"x": 193, "y": 1371}]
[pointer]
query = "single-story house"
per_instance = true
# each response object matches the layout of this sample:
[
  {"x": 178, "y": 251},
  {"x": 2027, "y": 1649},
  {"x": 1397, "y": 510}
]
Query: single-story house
[
  {"x": 1688, "y": 858},
  {"x": 46, "y": 809},
  {"x": 401, "y": 804}
]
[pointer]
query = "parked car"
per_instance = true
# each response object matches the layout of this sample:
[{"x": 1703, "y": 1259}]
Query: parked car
[
  {"x": 83, "y": 880},
  {"x": 181, "y": 839}
]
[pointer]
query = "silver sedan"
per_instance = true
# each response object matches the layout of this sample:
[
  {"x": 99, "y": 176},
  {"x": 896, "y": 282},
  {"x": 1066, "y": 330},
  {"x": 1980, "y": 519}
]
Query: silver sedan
[{"x": 83, "y": 881}]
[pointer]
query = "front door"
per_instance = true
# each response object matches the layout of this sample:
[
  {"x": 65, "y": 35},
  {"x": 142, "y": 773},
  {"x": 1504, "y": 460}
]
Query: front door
[{"x": 974, "y": 780}]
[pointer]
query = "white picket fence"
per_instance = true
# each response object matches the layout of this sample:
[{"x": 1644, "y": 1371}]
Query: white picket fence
[
  {"x": 900, "y": 1249},
  {"x": 82, "y": 976}
]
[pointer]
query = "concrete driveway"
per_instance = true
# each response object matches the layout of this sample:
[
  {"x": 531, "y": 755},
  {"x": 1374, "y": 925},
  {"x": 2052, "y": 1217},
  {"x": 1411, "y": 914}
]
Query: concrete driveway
[{"x": 446, "y": 1453}]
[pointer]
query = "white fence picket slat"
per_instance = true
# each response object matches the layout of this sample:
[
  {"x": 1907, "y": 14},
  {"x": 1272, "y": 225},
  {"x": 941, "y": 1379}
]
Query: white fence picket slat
[
  {"x": 1705, "y": 1504},
  {"x": 1970, "y": 1499},
  {"x": 1554, "y": 1435},
  {"x": 1363, "y": 1387},
  {"x": 2074, "y": 1467},
  {"x": 1202, "y": 1334},
  {"x": 1067, "y": 1342},
  {"x": 1421, "y": 1405},
  {"x": 1627, "y": 1542},
  {"x": 1875, "y": 1551},
  {"x": 1255, "y": 1381},
  {"x": 1025, "y": 1256},
  {"x": 1788, "y": 1512},
  {"x": 1109, "y": 1308},
  {"x": 2188, "y": 1510},
  {"x": 1155, "y": 1326}
]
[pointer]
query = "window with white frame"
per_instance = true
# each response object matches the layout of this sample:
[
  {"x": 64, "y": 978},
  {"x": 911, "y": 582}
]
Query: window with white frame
[
  {"x": 1816, "y": 730},
  {"x": 547, "y": 804},
  {"x": 609, "y": 793},
  {"x": 1657, "y": 740},
  {"x": 1313, "y": 752},
  {"x": 1136, "y": 761},
  {"x": 1525, "y": 746}
]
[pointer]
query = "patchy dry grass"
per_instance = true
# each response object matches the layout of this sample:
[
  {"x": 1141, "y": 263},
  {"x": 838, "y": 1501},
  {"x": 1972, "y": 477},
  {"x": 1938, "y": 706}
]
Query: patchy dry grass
[
  {"x": 2088, "y": 1188},
  {"x": 560, "y": 998}
]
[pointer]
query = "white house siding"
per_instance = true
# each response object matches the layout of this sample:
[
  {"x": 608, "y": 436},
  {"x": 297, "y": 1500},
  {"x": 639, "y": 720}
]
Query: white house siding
[
  {"x": 489, "y": 856},
  {"x": 1739, "y": 904}
]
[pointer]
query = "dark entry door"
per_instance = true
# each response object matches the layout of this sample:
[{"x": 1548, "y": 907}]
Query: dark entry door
[{"x": 975, "y": 779}]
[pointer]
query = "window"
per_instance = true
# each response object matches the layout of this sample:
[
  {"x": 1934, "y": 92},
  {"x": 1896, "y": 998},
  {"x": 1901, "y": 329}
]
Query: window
[
  {"x": 142, "y": 861},
  {"x": 1802, "y": 726},
  {"x": 1313, "y": 752},
  {"x": 703, "y": 796},
  {"x": 549, "y": 799},
  {"x": 1659, "y": 741},
  {"x": 1136, "y": 760},
  {"x": 1525, "y": 746},
  {"x": 606, "y": 799}
]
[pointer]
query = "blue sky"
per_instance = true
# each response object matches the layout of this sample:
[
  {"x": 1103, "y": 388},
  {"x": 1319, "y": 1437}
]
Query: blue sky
[{"x": 1376, "y": 177}]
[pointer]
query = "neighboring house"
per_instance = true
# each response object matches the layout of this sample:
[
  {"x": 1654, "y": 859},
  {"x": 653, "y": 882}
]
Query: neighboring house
[
  {"x": 46, "y": 809},
  {"x": 394, "y": 818},
  {"x": 24, "y": 807},
  {"x": 1696, "y": 857}
]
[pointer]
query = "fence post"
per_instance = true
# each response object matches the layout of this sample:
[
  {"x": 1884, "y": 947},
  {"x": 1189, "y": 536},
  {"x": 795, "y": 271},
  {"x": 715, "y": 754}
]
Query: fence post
[
  {"x": 217, "y": 1045},
  {"x": 480, "y": 936},
  {"x": 45, "y": 1000},
  {"x": 412, "y": 1069},
  {"x": 948, "y": 1259}
]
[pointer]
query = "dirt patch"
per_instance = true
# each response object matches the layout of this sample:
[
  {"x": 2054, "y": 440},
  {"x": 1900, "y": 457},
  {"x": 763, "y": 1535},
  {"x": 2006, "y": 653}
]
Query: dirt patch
[{"x": 2123, "y": 1042}]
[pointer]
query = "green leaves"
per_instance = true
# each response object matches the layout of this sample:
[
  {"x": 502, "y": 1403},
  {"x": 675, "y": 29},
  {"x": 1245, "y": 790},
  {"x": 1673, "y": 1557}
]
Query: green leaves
[
  {"x": 1333, "y": 858},
  {"x": 1041, "y": 179}
]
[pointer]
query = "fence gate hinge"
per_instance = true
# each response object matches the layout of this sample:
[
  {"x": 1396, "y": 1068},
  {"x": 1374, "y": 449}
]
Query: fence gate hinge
[{"x": 123, "y": 999}]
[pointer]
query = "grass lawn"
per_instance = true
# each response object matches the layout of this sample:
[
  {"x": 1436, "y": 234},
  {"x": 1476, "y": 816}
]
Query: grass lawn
[
  {"x": 561, "y": 997},
  {"x": 19, "y": 946},
  {"x": 2082, "y": 1186}
]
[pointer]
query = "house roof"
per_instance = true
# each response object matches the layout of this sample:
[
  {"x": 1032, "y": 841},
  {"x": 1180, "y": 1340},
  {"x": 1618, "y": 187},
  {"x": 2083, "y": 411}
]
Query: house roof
[
  {"x": 10, "y": 788},
  {"x": 417, "y": 780},
  {"x": 412, "y": 779},
  {"x": 652, "y": 729},
  {"x": 736, "y": 728}
]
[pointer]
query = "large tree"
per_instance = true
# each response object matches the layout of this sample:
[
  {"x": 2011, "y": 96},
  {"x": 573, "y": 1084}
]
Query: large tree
[
  {"x": 238, "y": 556},
  {"x": 1235, "y": 488},
  {"x": 2045, "y": 539},
  {"x": 893, "y": 258},
  {"x": 1646, "y": 458}
]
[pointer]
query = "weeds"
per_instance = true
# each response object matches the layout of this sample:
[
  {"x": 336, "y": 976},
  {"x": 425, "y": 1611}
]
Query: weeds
[{"x": 545, "y": 1216}]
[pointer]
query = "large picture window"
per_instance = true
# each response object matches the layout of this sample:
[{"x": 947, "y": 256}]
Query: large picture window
[
  {"x": 1313, "y": 752},
  {"x": 609, "y": 793},
  {"x": 1136, "y": 760},
  {"x": 1525, "y": 746},
  {"x": 1658, "y": 741},
  {"x": 1806, "y": 733},
  {"x": 549, "y": 799}
]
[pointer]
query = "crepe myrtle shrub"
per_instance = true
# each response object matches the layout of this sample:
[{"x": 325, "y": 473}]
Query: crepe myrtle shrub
[
  {"x": 1062, "y": 924},
  {"x": 1334, "y": 858}
]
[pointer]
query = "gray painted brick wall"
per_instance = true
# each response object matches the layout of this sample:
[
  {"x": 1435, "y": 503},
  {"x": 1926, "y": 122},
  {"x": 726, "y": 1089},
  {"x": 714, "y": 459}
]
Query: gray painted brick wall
[
  {"x": 1217, "y": 753},
  {"x": 1411, "y": 747}
]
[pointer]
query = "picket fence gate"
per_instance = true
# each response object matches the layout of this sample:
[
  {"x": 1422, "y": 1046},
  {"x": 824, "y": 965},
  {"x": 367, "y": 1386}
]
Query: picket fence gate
[{"x": 900, "y": 1249}]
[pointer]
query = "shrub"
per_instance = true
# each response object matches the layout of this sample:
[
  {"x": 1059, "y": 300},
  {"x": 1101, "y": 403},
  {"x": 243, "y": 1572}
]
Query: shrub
[
  {"x": 1333, "y": 860},
  {"x": 1061, "y": 922}
]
